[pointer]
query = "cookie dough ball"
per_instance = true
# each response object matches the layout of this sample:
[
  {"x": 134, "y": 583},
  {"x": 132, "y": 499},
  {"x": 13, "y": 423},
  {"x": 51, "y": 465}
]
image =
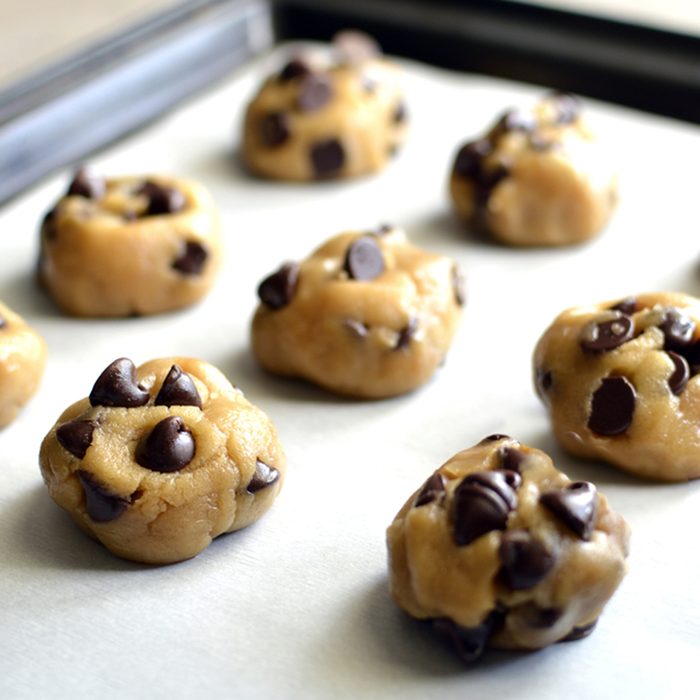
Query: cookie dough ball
[
  {"x": 537, "y": 178},
  {"x": 335, "y": 119},
  {"x": 500, "y": 549},
  {"x": 129, "y": 246},
  {"x": 160, "y": 460},
  {"x": 620, "y": 381},
  {"x": 22, "y": 361},
  {"x": 366, "y": 315}
]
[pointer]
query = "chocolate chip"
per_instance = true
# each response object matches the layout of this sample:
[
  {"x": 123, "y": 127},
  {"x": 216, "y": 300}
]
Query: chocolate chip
[
  {"x": 681, "y": 373},
  {"x": 101, "y": 504},
  {"x": 486, "y": 182},
  {"x": 512, "y": 459},
  {"x": 315, "y": 91},
  {"x": 161, "y": 199},
  {"x": 178, "y": 389},
  {"x": 274, "y": 129},
  {"x": 400, "y": 113},
  {"x": 364, "y": 260},
  {"x": 355, "y": 47},
  {"x": 406, "y": 334},
  {"x": 192, "y": 259},
  {"x": 512, "y": 120},
  {"x": 383, "y": 229},
  {"x": 580, "y": 632},
  {"x": 607, "y": 335},
  {"x": 538, "y": 618},
  {"x": 458, "y": 285},
  {"x": 576, "y": 506},
  {"x": 612, "y": 406},
  {"x": 468, "y": 642},
  {"x": 48, "y": 224},
  {"x": 169, "y": 447},
  {"x": 525, "y": 560},
  {"x": 76, "y": 436},
  {"x": 263, "y": 477},
  {"x": 626, "y": 306},
  {"x": 295, "y": 68},
  {"x": 117, "y": 386},
  {"x": 327, "y": 157},
  {"x": 568, "y": 107},
  {"x": 692, "y": 355},
  {"x": 87, "y": 185},
  {"x": 470, "y": 157},
  {"x": 433, "y": 489},
  {"x": 481, "y": 503},
  {"x": 357, "y": 328},
  {"x": 3, "y": 322},
  {"x": 677, "y": 328},
  {"x": 277, "y": 290},
  {"x": 494, "y": 438},
  {"x": 543, "y": 382}
]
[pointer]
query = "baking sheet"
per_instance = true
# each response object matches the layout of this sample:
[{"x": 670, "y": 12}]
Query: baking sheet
[{"x": 296, "y": 606}]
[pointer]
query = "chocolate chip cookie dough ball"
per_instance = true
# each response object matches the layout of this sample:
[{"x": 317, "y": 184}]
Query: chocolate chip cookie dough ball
[
  {"x": 22, "y": 361},
  {"x": 367, "y": 314},
  {"x": 500, "y": 549},
  {"x": 537, "y": 178},
  {"x": 160, "y": 460},
  {"x": 129, "y": 246},
  {"x": 620, "y": 381},
  {"x": 338, "y": 118}
]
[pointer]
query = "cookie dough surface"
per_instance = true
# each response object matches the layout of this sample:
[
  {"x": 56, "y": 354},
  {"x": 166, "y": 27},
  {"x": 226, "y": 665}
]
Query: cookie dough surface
[
  {"x": 620, "y": 382},
  {"x": 367, "y": 314},
  {"x": 22, "y": 361},
  {"x": 327, "y": 117},
  {"x": 537, "y": 178},
  {"x": 129, "y": 246},
  {"x": 500, "y": 549},
  {"x": 160, "y": 460}
]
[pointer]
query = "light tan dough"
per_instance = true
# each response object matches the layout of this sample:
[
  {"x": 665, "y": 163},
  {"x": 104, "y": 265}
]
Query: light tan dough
[
  {"x": 537, "y": 178},
  {"x": 22, "y": 361},
  {"x": 635, "y": 401},
  {"x": 368, "y": 338},
  {"x": 500, "y": 549},
  {"x": 104, "y": 253},
  {"x": 91, "y": 461},
  {"x": 317, "y": 119}
]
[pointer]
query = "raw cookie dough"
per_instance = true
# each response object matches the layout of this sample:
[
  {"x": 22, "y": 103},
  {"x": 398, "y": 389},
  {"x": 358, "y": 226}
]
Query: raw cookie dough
[
  {"x": 160, "y": 460},
  {"x": 536, "y": 178},
  {"x": 366, "y": 315},
  {"x": 320, "y": 119},
  {"x": 22, "y": 361},
  {"x": 129, "y": 246},
  {"x": 620, "y": 381},
  {"x": 500, "y": 549}
]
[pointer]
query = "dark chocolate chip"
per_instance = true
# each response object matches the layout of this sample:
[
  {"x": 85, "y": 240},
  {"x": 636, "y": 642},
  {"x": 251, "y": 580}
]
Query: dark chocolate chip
[
  {"x": 494, "y": 438},
  {"x": 458, "y": 285},
  {"x": 487, "y": 181},
  {"x": 277, "y": 290},
  {"x": 355, "y": 47},
  {"x": 481, "y": 503},
  {"x": 48, "y": 224},
  {"x": 539, "y": 618},
  {"x": 512, "y": 120},
  {"x": 315, "y": 91},
  {"x": 526, "y": 561},
  {"x": 681, "y": 373},
  {"x": 692, "y": 355},
  {"x": 607, "y": 335},
  {"x": 580, "y": 632},
  {"x": 3, "y": 322},
  {"x": 357, "y": 328},
  {"x": 87, "y": 185},
  {"x": 612, "y": 406},
  {"x": 364, "y": 260},
  {"x": 512, "y": 459},
  {"x": 295, "y": 68},
  {"x": 76, "y": 436},
  {"x": 327, "y": 157},
  {"x": 274, "y": 129},
  {"x": 101, "y": 504},
  {"x": 178, "y": 389},
  {"x": 161, "y": 199},
  {"x": 400, "y": 113},
  {"x": 627, "y": 306},
  {"x": 117, "y": 386},
  {"x": 576, "y": 506},
  {"x": 169, "y": 447},
  {"x": 263, "y": 477},
  {"x": 406, "y": 334},
  {"x": 543, "y": 382},
  {"x": 568, "y": 107},
  {"x": 677, "y": 328},
  {"x": 433, "y": 489},
  {"x": 468, "y": 642},
  {"x": 192, "y": 259},
  {"x": 470, "y": 157}
]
